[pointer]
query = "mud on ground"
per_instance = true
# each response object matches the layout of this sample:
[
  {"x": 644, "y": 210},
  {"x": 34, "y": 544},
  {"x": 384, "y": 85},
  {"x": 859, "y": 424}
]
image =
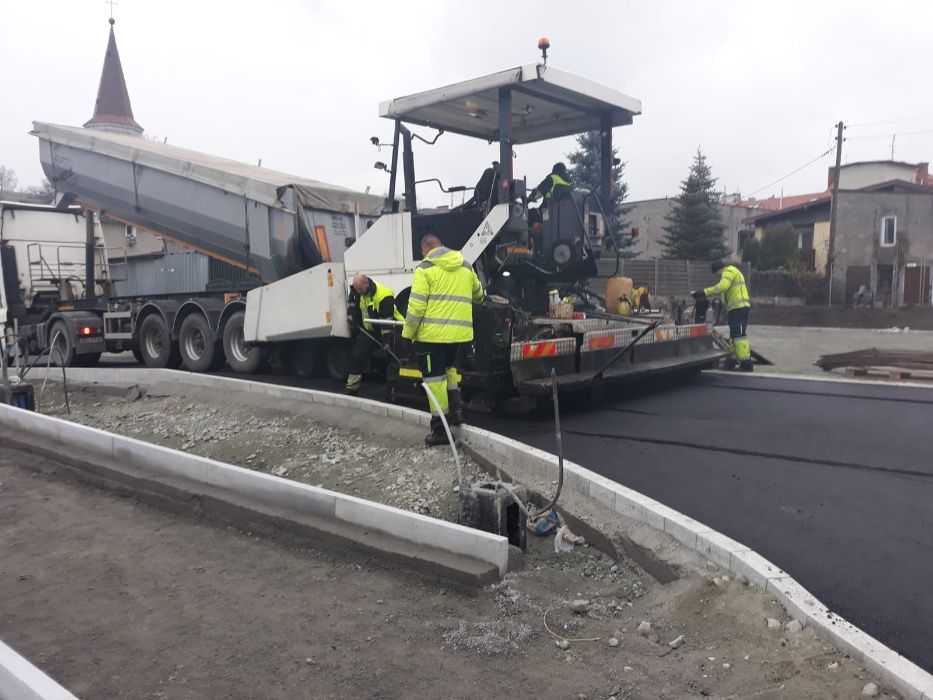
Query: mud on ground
[{"x": 116, "y": 599}]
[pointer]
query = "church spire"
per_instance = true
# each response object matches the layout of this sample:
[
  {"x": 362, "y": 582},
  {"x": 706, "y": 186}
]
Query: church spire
[{"x": 112, "y": 111}]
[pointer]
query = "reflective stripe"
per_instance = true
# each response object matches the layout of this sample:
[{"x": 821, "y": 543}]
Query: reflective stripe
[
  {"x": 441, "y": 297},
  {"x": 450, "y": 297},
  {"x": 446, "y": 322},
  {"x": 412, "y": 317},
  {"x": 431, "y": 380},
  {"x": 437, "y": 252}
]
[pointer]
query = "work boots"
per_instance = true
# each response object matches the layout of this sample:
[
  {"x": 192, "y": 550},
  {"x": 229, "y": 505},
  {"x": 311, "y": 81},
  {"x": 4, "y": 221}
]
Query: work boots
[
  {"x": 437, "y": 436},
  {"x": 746, "y": 366},
  {"x": 455, "y": 417}
]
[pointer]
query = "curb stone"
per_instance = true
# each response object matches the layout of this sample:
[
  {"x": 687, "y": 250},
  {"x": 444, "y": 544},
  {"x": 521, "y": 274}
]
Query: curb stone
[
  {"x": 20, "y": 680},
  {"x": 891, "y": 668}
]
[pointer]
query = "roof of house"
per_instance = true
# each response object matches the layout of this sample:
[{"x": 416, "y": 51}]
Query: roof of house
[
  {"x": 772, "y": 204},
  {"x": 826, "y": 197},
  {"x": 813, "y": 201},
  {"x": 113, "y": 100}
]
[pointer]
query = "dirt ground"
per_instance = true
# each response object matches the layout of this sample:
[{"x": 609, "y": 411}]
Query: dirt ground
[{"x": 118, "y": 600}]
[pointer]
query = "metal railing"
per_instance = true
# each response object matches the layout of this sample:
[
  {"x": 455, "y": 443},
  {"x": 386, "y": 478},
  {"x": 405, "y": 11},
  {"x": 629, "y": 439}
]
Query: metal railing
[{"x": 49, "y": 264}]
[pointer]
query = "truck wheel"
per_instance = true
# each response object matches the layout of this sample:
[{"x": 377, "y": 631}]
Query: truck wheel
[
  {"x": 303, "y": 358},
  {"x": 61, "y": 344},
  {"x": 138, "y": 354},
  {"x": 337, "y": 362},
  {"x": 155, "y": 344},
  {"x": 241, "y": 357},
  {"x": 199, "y": 351}
]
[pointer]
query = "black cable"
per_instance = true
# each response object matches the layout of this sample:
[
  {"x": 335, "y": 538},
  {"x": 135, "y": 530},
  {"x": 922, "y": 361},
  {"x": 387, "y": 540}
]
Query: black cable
[{"x": 794, "y": 172}]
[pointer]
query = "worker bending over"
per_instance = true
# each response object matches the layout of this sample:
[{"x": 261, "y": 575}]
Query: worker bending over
[
  {"x": 376, "y": 301},
  {"x": 440, "y": 324},
  {"x": 734, "y": 293}
]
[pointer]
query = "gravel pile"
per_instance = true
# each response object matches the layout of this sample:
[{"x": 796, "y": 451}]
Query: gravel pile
[{"x": 388, "y": 470}]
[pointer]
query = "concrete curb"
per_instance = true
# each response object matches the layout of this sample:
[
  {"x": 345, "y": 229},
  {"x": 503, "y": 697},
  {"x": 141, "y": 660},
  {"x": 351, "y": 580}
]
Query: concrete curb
[
  {"x": 417, "y": 538},
  {"x": 891, "y": 668},
  {"x": 831, "y": 379},
  {"x": 20, "y": 680}
]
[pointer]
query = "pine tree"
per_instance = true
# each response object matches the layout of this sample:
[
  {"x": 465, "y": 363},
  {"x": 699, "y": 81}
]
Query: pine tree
[
  {"x": 695, "y": 229},
  {"x": 585, "y": 171}
]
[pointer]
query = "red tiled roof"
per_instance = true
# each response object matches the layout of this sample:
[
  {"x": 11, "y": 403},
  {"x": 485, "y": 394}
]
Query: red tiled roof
[{"x": 781, "y": 203}]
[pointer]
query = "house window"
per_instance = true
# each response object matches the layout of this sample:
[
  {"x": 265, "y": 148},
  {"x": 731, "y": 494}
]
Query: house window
[{"x": 889, "y": 230}]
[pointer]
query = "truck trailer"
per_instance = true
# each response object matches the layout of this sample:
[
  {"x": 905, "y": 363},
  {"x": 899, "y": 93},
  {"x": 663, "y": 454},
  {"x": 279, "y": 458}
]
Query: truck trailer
[{"x": 303, "y": 241}]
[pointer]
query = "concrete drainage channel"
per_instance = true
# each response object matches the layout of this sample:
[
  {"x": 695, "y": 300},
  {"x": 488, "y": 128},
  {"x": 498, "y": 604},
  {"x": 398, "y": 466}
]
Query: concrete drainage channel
[{"x": 491, "y": 552}]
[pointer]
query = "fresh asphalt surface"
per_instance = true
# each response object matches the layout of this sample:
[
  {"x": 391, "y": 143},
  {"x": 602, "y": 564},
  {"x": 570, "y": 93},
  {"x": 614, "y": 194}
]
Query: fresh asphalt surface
[{"x": 833, "y": 482}]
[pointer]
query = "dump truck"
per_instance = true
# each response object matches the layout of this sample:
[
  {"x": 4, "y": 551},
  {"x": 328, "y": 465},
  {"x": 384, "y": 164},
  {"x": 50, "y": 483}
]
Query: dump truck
[{"x": 303, "y": 241}]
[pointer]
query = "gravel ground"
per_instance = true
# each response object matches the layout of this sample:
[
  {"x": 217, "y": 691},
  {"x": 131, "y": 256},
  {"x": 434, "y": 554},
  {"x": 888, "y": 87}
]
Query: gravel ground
[
  {"x": 283, "y": 439},
  {"x": 116, "y": 599}
]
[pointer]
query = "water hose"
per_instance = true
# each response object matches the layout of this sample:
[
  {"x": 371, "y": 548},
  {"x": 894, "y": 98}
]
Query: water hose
[
  {"x": 560, "y": 446},
  {"x": 440, "y": 411}
]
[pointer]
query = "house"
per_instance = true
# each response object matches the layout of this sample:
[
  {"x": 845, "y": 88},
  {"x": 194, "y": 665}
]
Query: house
[
  {"x": 884, "y": 232},
  {"x": 648, "y": 217},
  {"x": 884, "y": 242},
  {"x": 809, "y": 215}
]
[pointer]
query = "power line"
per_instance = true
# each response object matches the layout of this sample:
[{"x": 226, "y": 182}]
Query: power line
[
  {"x": 891, "y": 121},
  {"x": 889, "y": 134},
  {"x": 793, "y": 172}
]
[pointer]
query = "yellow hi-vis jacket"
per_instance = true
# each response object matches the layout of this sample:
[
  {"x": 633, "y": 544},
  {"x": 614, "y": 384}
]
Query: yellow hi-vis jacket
[
  {"x": 732, "y": 288},
  {"x": 376, "y": 305},
  {"x": 546, "y": 188},
  {"x": 440, "y": 308}
]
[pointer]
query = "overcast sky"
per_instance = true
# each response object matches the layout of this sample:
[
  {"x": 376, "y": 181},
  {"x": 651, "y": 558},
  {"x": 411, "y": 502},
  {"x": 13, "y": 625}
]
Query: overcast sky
[{"x": 758, "y": 86}]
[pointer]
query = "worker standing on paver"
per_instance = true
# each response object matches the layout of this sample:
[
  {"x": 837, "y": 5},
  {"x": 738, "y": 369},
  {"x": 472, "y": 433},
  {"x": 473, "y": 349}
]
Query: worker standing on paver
[
  {"x": 734, "y": 293},
  {"x": 375, "y": 301},
  {"x": 440, "y": 323}
]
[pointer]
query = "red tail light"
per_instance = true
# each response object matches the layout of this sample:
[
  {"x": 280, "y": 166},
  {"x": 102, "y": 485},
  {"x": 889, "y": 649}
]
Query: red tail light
[{"x": 86, "y": 330}]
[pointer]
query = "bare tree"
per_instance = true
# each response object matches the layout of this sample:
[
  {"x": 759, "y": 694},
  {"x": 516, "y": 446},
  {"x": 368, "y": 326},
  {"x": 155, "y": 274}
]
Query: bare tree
[
  {"x": 8, "y": 179},
  {"x": 44, "y": 191}
]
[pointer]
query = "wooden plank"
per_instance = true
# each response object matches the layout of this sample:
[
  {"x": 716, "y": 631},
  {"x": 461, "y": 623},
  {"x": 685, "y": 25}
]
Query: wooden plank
[{"x": 856, "y": 372}]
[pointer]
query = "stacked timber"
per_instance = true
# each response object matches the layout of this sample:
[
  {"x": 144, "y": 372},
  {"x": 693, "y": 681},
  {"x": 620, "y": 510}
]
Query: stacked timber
[{"x": 875, "y": 357}]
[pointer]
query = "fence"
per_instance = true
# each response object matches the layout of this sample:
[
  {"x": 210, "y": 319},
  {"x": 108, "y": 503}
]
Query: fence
[
  {"x": 666, "y": 278},
  {"x": 810, "y": 286}
]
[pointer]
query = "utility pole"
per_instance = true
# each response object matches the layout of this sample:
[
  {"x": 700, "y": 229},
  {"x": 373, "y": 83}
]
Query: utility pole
[{"x": 831, "y": 252}]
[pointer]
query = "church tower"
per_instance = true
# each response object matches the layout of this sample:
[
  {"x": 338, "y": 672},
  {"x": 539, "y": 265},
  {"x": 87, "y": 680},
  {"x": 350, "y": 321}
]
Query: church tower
[{"x": 112, "y": 111}]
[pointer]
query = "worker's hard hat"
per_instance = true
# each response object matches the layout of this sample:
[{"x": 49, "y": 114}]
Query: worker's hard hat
[
  {"x": 717, "y": 265},
  {"x": 559, "y": 169}
]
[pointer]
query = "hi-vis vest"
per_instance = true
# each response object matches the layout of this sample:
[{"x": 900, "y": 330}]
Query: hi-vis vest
[
  {"x": 440, "y": 308},
  {"x": 369, "y": 304},
  {"x": 732, "y": 288},
  {"x": 555, "y": 181}
]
